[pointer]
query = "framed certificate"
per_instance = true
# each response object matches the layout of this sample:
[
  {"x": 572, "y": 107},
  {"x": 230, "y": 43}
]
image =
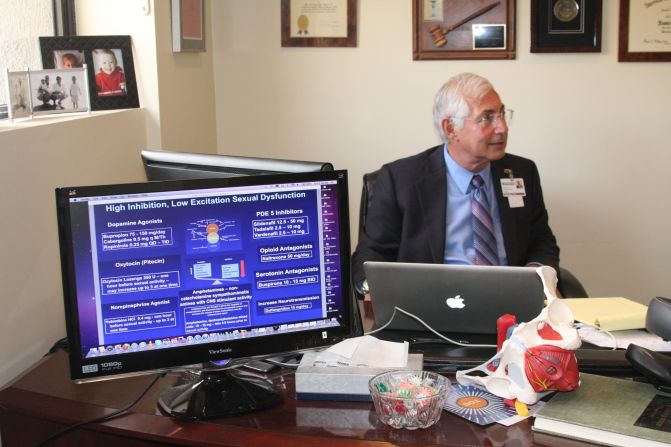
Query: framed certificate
[
  {"x": 463, "y": 29},
  {"x": 565, "y": 26},
  {"x": 325, "y": 23},
  {"x": 645, "y": 31}
]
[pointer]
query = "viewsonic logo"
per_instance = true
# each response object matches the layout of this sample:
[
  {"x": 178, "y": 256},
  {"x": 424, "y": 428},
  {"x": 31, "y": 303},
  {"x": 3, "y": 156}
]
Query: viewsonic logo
[
  {"x": 219, "y": 351},
  {"x": 455, "y": 303}
]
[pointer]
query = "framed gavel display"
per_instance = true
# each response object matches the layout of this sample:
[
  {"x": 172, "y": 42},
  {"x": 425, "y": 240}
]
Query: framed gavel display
[{"x": 463, "y": 29}]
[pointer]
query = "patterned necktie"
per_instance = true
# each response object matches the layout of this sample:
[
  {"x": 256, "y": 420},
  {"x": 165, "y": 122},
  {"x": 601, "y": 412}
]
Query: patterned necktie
[{"x": 484, "y": 241}]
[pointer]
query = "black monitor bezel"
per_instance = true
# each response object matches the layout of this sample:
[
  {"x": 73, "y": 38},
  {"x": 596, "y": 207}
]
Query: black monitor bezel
[{"x": 179, "y": 357}]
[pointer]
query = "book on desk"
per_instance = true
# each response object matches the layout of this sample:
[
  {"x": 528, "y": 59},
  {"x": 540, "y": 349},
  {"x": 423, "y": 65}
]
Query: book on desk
[
  {"x": 609, "y": 411},
  {"x": 610, "y": 314}
]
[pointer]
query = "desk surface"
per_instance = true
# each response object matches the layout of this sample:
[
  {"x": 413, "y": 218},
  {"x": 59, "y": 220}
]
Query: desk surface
[{"x": 43, "y": 400}]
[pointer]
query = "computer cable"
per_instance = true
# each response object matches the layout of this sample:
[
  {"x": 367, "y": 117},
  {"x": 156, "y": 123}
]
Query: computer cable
[
  {"x": 63, "y": 344},
  {"x": 284, "y": 363},
  {"x": 426, "y": 325},
  {"x": 102, "y": 418}
]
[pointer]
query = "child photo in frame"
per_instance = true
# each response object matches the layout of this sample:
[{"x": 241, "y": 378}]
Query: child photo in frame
[
  {"x": 68, "y": 59},
  {"x": 110, "y": 78}
]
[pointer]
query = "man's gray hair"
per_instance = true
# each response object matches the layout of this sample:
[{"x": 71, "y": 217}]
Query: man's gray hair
[{"x": 451, "y": 100}]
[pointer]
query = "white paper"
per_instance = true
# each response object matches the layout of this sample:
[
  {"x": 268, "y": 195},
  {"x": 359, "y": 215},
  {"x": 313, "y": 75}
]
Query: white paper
[
  {"x": 364, "y": 351},
  {"x": 624, "y": 338}
]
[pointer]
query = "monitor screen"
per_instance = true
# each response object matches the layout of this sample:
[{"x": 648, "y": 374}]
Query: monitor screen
[
  {"x": 164, "y": 274},
  {"x": 166, "y": 165}
]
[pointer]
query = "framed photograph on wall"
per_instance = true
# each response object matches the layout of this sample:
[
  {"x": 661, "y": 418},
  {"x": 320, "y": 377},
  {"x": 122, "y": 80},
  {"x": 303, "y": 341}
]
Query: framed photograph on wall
[
  {"x": 327, "y": 23},
  {"x": 565, "y": 26},
  {"x": 645, "y": 31},
  {"x": 58, "y": 91},
  {"x": 463, "y": 29},
  {"x": 188, "y": 25},
  {"x": 18, "y": 94},
  {"x": 111, "y": 71}
]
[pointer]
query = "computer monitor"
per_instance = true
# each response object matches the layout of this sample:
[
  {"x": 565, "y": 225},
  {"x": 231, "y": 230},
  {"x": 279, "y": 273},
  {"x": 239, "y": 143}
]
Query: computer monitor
[
  {"x": 166, "y": 165},
  {"x": 159, "y": 275}
]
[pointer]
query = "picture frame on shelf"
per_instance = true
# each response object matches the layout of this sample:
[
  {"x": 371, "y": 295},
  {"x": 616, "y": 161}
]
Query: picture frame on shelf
[
  {"x": 463, "y": 29},
  {"x": 111, "y": 71},
  {"x": 54, "y": 91},
  {"x": 566, "y": 26},
  {"x": 645, "y": 27},
  {"x": 18, "y": 94},
  {"x": 188, "y": 26},
  {"x": 328, "y": 23}
]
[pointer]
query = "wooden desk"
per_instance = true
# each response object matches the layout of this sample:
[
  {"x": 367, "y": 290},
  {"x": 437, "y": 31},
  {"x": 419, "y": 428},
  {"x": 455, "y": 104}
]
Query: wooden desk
[{"x": 43, "y": 401}]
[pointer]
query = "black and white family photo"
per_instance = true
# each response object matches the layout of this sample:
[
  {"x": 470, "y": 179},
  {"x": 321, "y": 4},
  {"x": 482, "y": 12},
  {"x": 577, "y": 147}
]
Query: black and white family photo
[{"x": 59, "y": 91}]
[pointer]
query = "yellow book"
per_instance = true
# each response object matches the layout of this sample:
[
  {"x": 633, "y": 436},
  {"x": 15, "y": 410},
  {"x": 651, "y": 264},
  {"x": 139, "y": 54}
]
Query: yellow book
[{"x": 610, "y": 314}]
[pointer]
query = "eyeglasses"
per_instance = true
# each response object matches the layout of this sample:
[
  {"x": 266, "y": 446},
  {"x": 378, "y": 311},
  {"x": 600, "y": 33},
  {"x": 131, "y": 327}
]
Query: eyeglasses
[{"x": 491, "y": 119}]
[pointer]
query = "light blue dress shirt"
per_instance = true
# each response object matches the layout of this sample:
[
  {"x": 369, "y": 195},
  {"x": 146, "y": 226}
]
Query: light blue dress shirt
[{"x": 459, "y": 231}]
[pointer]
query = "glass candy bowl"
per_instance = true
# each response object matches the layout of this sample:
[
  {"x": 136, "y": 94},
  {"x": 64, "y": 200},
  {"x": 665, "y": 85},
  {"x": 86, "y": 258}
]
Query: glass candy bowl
[{"x": 409, "y": 399}]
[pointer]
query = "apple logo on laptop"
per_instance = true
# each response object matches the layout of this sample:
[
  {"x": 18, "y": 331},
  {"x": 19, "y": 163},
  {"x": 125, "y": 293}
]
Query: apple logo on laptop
[{"x": 455, "y": 303}]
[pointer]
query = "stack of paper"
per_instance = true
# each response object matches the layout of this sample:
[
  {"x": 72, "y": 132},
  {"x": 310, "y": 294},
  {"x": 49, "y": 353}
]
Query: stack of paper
[{"x": 609, "y": 314}]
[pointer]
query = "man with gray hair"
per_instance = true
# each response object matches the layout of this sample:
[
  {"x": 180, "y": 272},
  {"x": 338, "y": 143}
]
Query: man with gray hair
[{"x": 465, "y": 201}]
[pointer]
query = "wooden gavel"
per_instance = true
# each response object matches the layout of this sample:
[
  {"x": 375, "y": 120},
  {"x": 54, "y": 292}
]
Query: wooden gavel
[{"x": 438, "y": 34}]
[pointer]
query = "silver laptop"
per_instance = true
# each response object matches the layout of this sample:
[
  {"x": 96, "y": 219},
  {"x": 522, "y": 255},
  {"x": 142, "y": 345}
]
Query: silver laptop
[{"x": 452, "y": 298}]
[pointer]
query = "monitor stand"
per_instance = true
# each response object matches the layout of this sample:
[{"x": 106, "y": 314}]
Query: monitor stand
[{"x": 211, "y": 394}]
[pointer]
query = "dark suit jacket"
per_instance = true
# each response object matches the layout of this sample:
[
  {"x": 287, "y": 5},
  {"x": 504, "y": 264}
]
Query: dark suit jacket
[{"x": 406, "y": 219}]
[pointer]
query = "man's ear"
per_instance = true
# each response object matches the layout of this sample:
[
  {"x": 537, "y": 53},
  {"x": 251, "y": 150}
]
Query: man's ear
[{"x": 448, "y": 128}]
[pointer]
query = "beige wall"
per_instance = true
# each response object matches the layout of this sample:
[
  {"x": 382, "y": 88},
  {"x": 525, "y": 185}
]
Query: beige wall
[
  {"x": 598, "y": 129},
  {"x": 38, "y": 155},
  {"x": 20, "y": 22},
  {"x": 126, "y": 17},
  {"x": 186, "y": 89},
  {"x": 176, "y": 89},
  {"x": 35, "y": 158}
]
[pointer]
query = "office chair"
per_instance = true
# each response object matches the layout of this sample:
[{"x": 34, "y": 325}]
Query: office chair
[{"x": 569, "y": 286}]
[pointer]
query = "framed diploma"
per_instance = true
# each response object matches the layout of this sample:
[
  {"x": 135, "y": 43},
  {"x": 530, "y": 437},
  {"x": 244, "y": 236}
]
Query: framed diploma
[
  {"x": 323, "y": 23},
  {"x": 645, "y": 31},
  {"x": 463, "y": 29},
  {"x": 565, "y": 26}
]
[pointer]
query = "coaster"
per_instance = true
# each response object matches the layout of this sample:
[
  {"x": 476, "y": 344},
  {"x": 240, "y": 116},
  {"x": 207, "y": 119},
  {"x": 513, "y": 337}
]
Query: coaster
[{"x": 477, "y": 405}]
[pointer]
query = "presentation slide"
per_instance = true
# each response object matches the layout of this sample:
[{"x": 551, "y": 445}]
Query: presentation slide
[{"x": 187, "y": 266}]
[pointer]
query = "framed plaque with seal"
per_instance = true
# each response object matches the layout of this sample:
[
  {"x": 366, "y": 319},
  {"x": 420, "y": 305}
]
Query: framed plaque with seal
[
  {"x": 463, "y": 29},
  {"x": 565, "y": 26},
  {"x": 324, "y": 23},
  {"x": 645, "y": 31}
]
